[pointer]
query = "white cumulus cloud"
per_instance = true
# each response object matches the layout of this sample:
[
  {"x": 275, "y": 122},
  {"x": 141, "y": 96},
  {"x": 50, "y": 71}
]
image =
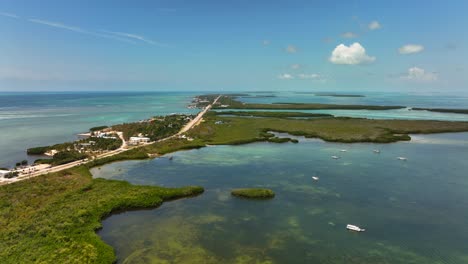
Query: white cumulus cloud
[
  {"x": 374, "y": 25},
  {"x": 285, "y": 76},
  {"x": 418, "y": 74},
  {"x": 352, "y": 55},
  {"x": 410, "y": 49}
]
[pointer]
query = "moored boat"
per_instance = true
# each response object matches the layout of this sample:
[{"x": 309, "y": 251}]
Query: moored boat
[{"x": 355, "y": 228}]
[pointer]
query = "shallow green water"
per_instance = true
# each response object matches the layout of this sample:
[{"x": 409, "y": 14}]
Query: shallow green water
[{"x": 414, "y": 211}]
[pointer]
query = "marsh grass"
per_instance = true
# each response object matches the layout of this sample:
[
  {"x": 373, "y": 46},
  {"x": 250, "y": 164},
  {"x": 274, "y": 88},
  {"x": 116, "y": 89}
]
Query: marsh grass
[
  {"x": 235, "y": 104},
  {"x": 53, "y": 218},
  {"x": 240, "y": 130},
  {"x": 253, "y": 193}
]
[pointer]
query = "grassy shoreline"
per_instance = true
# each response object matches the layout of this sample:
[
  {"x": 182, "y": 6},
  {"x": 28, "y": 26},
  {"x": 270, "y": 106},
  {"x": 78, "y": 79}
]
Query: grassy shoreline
[
  {"x": 443, "y": 110},
  {"x": 271, "y": 114},
  {"x": 217, "y": 130},
  {"x": 53, "y": 218},
  {"x": 230, "y": 102},
  {"x": 253, "y": 193}
]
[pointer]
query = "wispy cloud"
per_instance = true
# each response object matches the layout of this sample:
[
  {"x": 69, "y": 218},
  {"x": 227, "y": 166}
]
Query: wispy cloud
[
  {"x": 302, "y": 76},
  {"x": 59, "y": 25},
  {"x": 285, "y": 76},
  {"x": 291, "y": 49},
  {"x": 311, "y": 76},
  {"x": 374, "y": 25},
  {"x": 77, "y": 29},
  {"x": 420, "y": 75},
  {"x": 349, "y": 35},
  {"x": 119, "y": 36},
  {"x": 296, "y": 66},
  {"x": 135, "y": 37},
  {"x": 411, "y": 49},
  {"x": 9, "y": 15}
]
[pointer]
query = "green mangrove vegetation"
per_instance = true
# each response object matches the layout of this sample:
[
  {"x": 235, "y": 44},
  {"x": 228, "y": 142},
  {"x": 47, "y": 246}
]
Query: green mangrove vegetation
[
  {"x": 239, "y": 130},
  {"x": 253, "y": 193},
  {"x": 62, "y": 157},
  {"x": 271, "y": 114},
  {"x": 230, "y": 102},
  {"x": 132, "y": 154},
  {"x": 53, "y": 218},
  {"x": 155, "y": 128},
  {"x": 443, "y": 110},
  {"x": 172, "y": 145},
  {"x": 148, "y": 151},
  {"x": 37, "y": 150},
  {"x": 98, "y": 128},
  {"x": 339, "y": 95},
  {"x": 282, "y": 140},
  {"x": 90, "y": 144},
  {"x": 331, "y": 94}
]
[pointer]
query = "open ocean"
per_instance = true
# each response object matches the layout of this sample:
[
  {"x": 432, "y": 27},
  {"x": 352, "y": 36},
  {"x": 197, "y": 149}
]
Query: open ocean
[{"x": 38, "y": 119}]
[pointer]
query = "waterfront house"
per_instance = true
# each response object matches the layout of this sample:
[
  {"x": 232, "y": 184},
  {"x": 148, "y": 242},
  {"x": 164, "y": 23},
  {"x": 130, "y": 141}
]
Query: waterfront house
[{"x": 138, "y": 140}]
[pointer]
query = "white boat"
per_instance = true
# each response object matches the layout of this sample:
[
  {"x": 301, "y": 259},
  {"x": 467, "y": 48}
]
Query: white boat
[
  {"x": 335, "y": 157},
  {"x": 355, "y": 228},
  {"x": 376, "y": 151},
  {"x": 402, "y": 158},
  {"x": 343, "y": 150},
  {"x": 315, "y": 178}
]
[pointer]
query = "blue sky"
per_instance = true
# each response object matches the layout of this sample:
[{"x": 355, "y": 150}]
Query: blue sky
[{"x": 242, "y": 45}]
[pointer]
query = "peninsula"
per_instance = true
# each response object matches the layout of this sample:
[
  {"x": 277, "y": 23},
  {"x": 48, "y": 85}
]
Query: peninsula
[
  {"x": 443, "y": 110},
  {"x": 230, "y": 102}
]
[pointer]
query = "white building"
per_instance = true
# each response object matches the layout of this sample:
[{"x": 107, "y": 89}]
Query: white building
[
  {"x": 3, "y": 173},
  {"x": 138, "y": 140}
]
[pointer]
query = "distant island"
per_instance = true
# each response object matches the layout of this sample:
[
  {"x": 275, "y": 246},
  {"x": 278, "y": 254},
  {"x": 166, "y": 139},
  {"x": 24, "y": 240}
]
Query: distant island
[
  {"x": 339, "y": 95},
  {"x": 253, "y": 193},
  {"x": 332, "y": 94},
  {"x": 231, "y": 102},
  {"x": 443, "y": 110}
]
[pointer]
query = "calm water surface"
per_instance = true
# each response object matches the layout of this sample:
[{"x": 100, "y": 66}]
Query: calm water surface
[
  {"x": 38, "y": 119},
  {"x": 414, "y": 211}
]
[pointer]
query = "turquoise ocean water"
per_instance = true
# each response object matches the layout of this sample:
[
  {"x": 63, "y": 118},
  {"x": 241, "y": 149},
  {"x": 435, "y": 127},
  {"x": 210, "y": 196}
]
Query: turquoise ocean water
[{"x": 37, "y": 119}]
